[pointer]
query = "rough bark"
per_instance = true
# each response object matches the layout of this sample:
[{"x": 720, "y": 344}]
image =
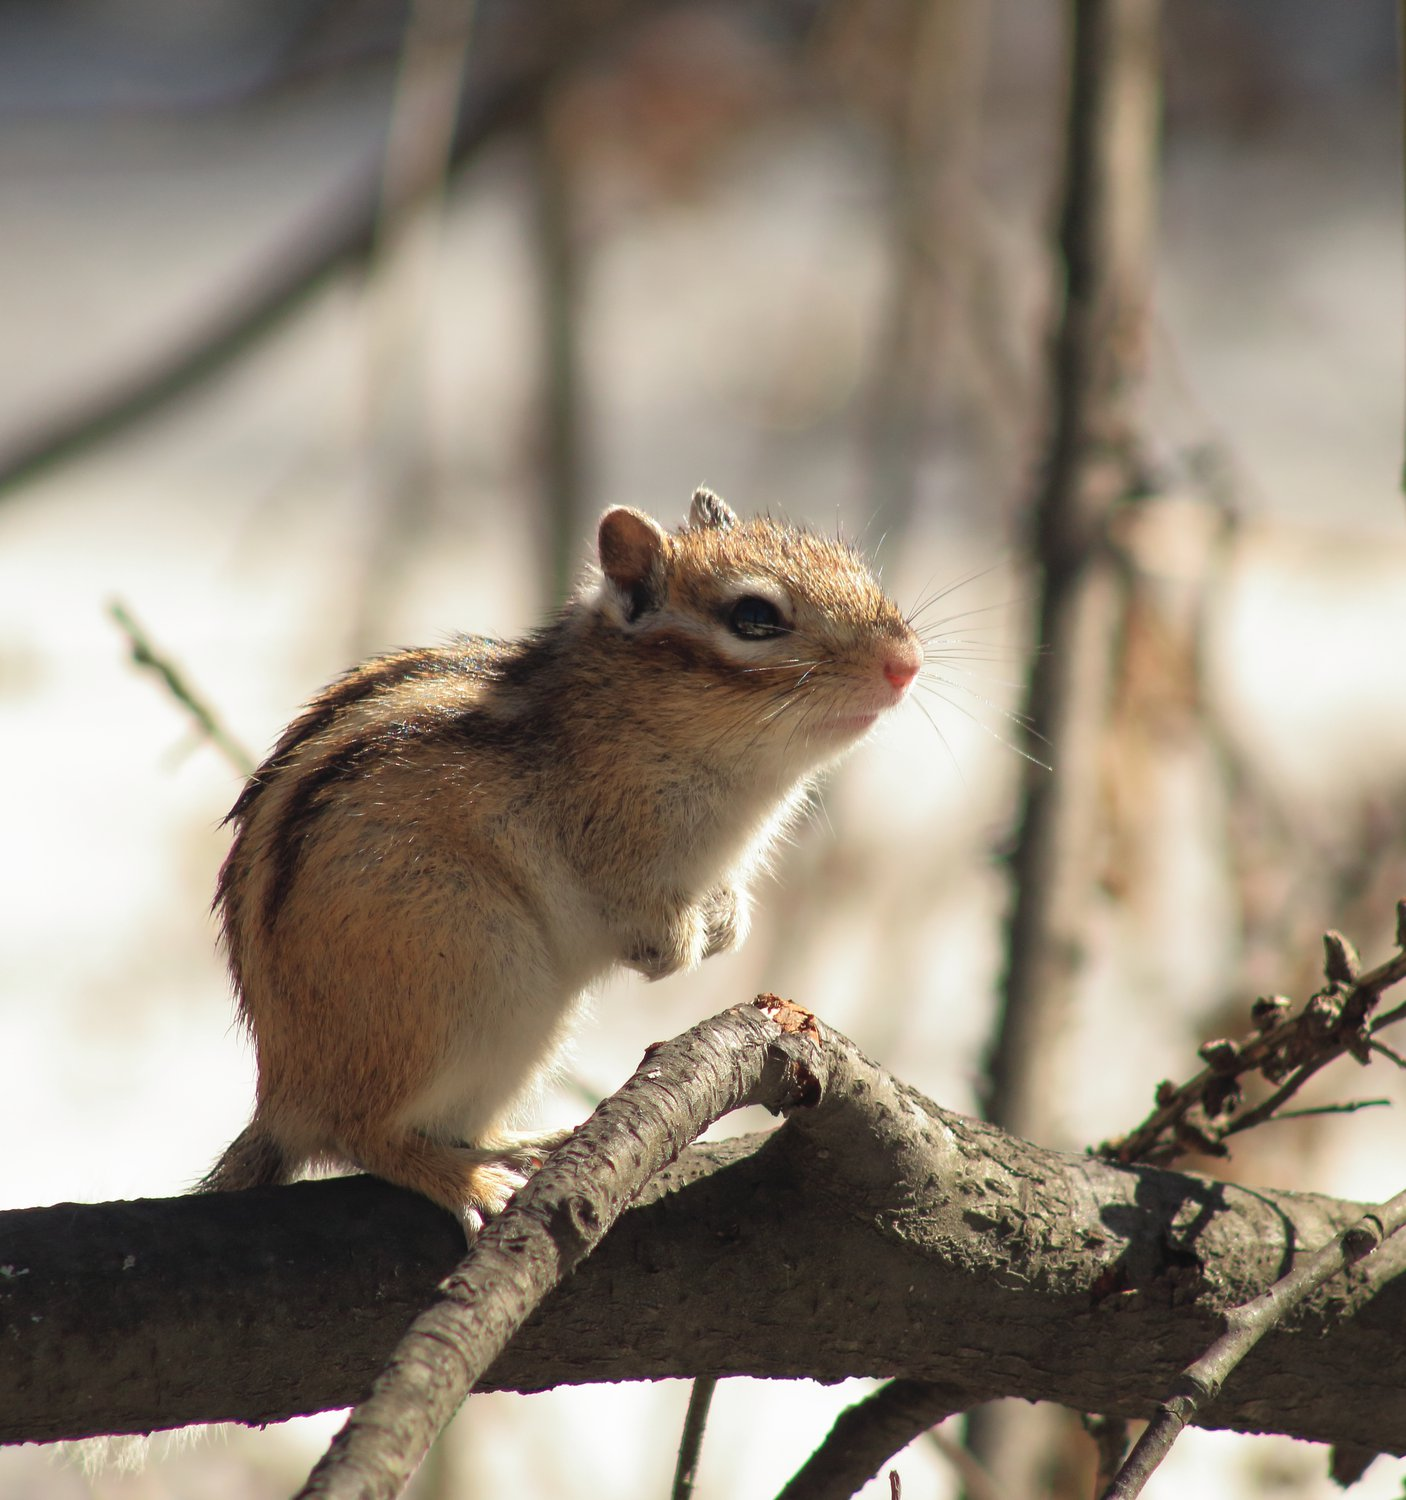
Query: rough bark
[{"x": 872, "y": 1235}]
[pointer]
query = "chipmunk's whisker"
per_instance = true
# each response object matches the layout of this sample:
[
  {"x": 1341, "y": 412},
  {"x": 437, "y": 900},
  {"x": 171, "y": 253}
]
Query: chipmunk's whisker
[
  {"x": 987, "y": 729},
  {"x": 1017, "y": 716},
  {"x": 943, "y": 664},
  {"x": 928, "y": 599},
  {"x": 942, "y": 740}
]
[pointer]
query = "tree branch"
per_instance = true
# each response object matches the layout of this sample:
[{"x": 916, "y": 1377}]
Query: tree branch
[
  {"x": 700, "y": 1401},
  {"x": 1093, "y": 463},
  {"x": 873, "y": 1235}
]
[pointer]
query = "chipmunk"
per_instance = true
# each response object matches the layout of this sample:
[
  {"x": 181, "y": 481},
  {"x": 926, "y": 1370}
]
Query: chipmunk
[{"x": 450, "y": 845}]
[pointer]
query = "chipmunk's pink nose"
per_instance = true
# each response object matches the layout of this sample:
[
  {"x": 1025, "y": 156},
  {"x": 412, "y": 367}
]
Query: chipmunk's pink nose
[{"x": 901, "y": 665}]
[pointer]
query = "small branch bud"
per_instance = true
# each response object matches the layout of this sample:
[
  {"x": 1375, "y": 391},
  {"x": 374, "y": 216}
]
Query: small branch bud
[
  {"x": 1276, "y": 1067},
  {"x": 1361, "y": 1240},
  {"x": 1220, "y": 1056},
  {"x": 1323, "y": 1012},
  {"x": 1269, "y": 1010},
  {"x": 1341, "y": 965},
  {"x": 1222, "y": 1096}
]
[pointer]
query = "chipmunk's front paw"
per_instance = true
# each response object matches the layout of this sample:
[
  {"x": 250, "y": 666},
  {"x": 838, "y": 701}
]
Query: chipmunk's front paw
[
  {"x": 726, "y": 918},
  {"x": 668, "y": 950},
  {"x": 653, "y": 962}
]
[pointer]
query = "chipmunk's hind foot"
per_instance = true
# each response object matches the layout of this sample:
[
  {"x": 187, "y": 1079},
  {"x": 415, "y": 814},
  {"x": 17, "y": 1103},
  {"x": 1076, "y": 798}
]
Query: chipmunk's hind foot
[
  {"x": 521, "y": 1148},
  {"x": 474, "y": 1183}
]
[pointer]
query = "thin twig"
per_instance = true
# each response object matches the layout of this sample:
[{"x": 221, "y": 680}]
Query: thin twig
[
  {"x": 144, "y": 654},
  {"x": 1347, "y": 1107},
  {"x": 1269, "y": 1109},
  {"x": 1200, "y": 1383},
  {"x": 700, "y": 1400},
  {"x": 1288, "y": 1049}
]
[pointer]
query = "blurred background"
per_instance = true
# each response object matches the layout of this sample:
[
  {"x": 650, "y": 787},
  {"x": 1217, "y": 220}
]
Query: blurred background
[{"x": 329, "y": 328}]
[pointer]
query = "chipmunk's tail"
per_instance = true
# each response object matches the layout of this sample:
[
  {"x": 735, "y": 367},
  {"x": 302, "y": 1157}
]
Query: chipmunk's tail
[{"x": 252, "y": 1159}]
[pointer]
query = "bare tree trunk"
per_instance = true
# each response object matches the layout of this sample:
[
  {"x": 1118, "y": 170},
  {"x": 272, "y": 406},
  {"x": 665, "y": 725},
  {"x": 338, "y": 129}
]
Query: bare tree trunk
[{"x": 1091, "y": 466}]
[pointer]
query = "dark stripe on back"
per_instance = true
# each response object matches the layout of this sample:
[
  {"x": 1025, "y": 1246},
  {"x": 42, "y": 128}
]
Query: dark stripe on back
[
  {"x": 311, "y": 799},
  {"x": 315, "y": 791},
  {"x": 361, "y": 682}
]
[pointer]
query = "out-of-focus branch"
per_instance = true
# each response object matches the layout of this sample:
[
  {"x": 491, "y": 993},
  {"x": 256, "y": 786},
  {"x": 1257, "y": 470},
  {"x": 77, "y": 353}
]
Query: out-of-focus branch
[
  {"x": 397, "y": 307},
  {"x": 1401, "y": 48},
  {"x": 561, "y": 433},
  {"x": 144, "y": 654},
  {"x": 865, "y": 1436},
  {"x": 1092, "y": 464},
  {"x": 931, "y": 106},
  {"x": 1111, "y": 1440},
  {"x": 520, "y": 52}
]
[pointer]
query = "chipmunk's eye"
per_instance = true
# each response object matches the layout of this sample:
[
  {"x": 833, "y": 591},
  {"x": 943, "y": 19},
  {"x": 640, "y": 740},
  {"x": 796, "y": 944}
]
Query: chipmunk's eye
[{"x": 754, "y": 618}]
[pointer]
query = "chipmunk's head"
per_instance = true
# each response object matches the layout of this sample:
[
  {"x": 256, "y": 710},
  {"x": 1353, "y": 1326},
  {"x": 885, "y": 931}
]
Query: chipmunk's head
[{"x": 781, "y": 633}]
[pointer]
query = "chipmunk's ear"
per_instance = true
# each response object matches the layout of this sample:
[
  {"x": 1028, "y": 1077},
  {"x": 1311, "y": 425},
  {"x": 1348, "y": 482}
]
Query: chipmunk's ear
[
  {"x": 710, "y": 511},
  {"x": 632, "y": 548}
]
